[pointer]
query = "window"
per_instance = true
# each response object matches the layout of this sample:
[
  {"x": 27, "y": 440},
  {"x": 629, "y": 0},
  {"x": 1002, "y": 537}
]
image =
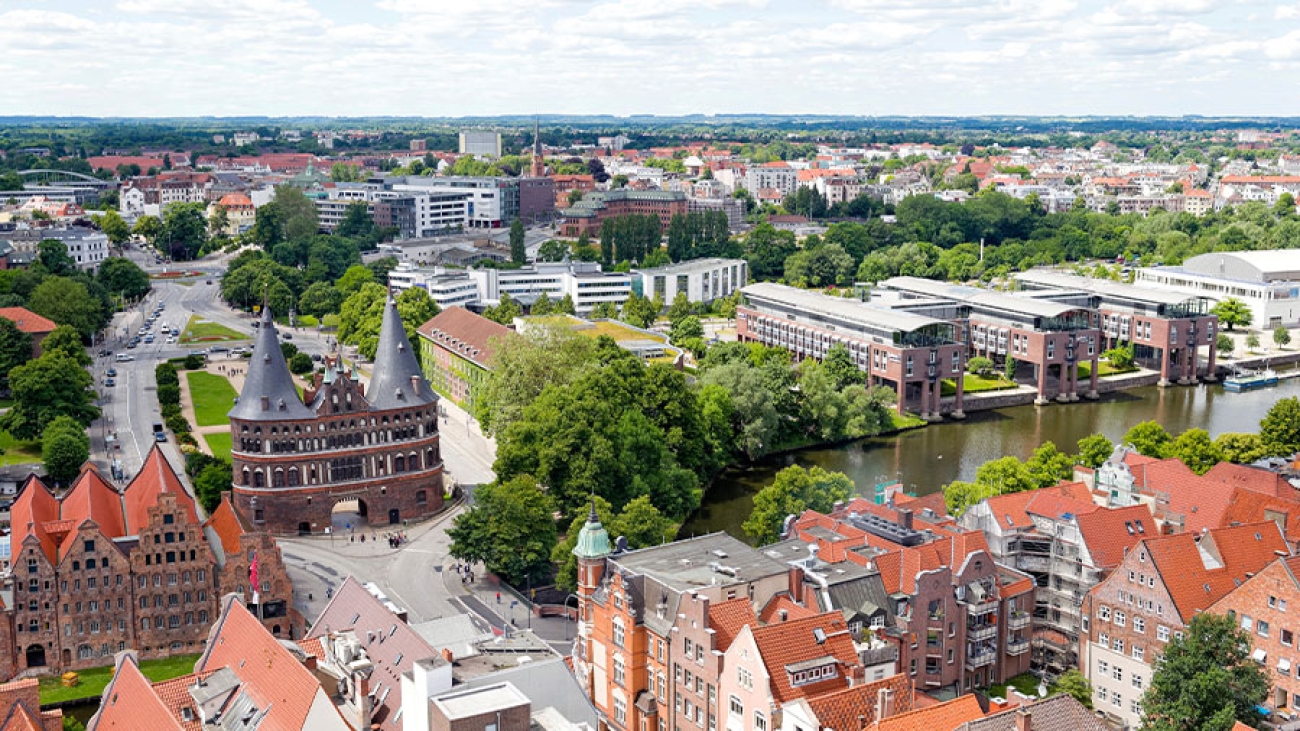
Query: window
[
  {"x": 1117, "y": 673},
  {"x": 737, "y": 708},
  {"x": 1287, "y": 638},
  {"x": 745, "y": 678},
  {"x": 1103, "y": 639},
  {"x": 1117, "y": 645},
  {"x": 1139, "y": 652},
  {"x": 1261, "y": 628},
  {"x": 1139, "y": 625},
  {"x": 1162, "y": 633},
  {"x": 1137, "y": 681},
  {"x": 760, "y": 722},
  {"x": 619, "y": 670},
  {"x": 1247, "y": 623},
  {"x": 1135, "y": 706},
  {"x": 620, "y": 710},
  {"x": 618, "y": 633},
  {"x": 1116, "y": 699},
  {"x": 1104, "y": 613},
  {"x": 660, "y": 687},
  {"x": 1103, "y": 668},
  {"x": 1121, "y": 619}
]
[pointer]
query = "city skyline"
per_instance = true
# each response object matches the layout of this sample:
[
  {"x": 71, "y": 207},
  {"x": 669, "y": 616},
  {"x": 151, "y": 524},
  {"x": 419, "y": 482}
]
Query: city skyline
[{"x": 850, "y": 57}]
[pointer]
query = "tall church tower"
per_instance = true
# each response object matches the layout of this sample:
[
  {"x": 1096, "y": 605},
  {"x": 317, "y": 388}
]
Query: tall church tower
[{"x": 538, "y": 167}]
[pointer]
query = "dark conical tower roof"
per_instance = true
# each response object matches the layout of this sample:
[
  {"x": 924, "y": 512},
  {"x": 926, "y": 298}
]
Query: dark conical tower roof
[
  {"x": 396, "y": 380},
  {"x": 268, "y": 393}
]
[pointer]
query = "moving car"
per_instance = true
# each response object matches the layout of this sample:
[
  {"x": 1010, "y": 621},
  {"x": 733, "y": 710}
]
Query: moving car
[
  {"x": 110, "y": 382},
  {"x": 112, "y": 372}
]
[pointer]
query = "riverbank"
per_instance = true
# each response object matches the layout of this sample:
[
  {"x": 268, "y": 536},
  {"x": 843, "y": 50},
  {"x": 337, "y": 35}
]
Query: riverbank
[{"x": 926, "y": 459}]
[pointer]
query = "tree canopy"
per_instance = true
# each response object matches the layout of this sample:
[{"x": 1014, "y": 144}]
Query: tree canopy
[
  {"x": 509, "y": 528},
  {"x": 1205, "y": 680},
  {"x": 794, "y": 490}
]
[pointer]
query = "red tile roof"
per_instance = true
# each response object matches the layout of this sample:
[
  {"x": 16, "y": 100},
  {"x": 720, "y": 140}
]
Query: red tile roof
[
  {"x": 1199, "y": 501},
  {"x": 1255, "y": 479},
  {"x": 464, "y": 333},
  {"x": 270, "y": 675},
  {"x": 782, "y": 602},
  {"x": 841, "y": 709},
  {"x": 20, "y": 708},
  {"x": 1109, "y": 534},
  {"x": 229, "y": 526},
  {"x": 130, "y": 703},
  {"x": 945, "y": 716},
  {"x": 27, "y": 321},
  {"x": 155, "y": 477},
  {"x": 1231, "y": 554},
  {"x": 727, "y": 618},
  {"x": 787, "y": 643},
  {"x": 32, "y": 509},
  {"x": 92, "y": 498},
  {"x": 175, "y": 695}
]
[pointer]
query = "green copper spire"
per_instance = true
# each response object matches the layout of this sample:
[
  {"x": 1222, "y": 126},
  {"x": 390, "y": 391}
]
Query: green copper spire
[{"x": 593, "y": 541}]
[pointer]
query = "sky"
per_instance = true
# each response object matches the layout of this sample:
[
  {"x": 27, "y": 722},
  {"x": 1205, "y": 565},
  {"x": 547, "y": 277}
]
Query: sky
[{"x": 622, "y": 57}]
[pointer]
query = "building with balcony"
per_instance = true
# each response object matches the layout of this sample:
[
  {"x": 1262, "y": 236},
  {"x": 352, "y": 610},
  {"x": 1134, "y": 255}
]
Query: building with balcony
[
  {"x": 1062, "y": 539},
  {"x": 909, "y": 352},
  {"x": 1054, "y": 339},
  {"x": 587, "y": 215},
  {"x": 1267, "y": 281},
  {"x": 1167, "y": 329},
  {"x": 1151, "y": 597}
]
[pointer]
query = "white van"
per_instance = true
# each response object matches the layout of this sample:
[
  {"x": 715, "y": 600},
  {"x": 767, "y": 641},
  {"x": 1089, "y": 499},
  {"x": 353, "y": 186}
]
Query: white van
[{"x": 124, "y": 357}]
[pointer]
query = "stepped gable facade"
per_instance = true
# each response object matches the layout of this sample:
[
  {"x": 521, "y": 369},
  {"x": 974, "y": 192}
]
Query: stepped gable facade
[
  {"x": 294, "y": 459},
  {"x": 97, "y": 571}
]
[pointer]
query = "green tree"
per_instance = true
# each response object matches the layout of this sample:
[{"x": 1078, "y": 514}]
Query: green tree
[
  {"x": 755, "y": 405},
  {"x": 1094, "y": 450},
  {"x": 1074, "y": 684},
  {"x": 359, "y": 225},
  {"x": 839, "y": 364},
  {"x": 1232, "y": 312},
  {"x": 1240, "y": 447},
  {"x": 794, "y": 490},
  {"x": 210, "y": 483},
  {"x": 1048, "y": 465},
  {"x": 300, "y": 219},
  {"x": 1120, "y": 357},
  {"x": 1195, "y": 448},
  {"x": 1279, "y": 430},
  {"x": 640, "y": 523},
  {"x": 68, "y": 302},
  {"x": 1205, "y": 680},
  {"x": 1252, "y": 341},
  {"x": 603, "y": 311},
  {"x": 1223, "y": 343},
  {"x": 115, "y": 228},
  {"x": 354, "y": 279},
  {"x": 218, "y": 221},
  {"x": 685, "y": 329},
  {"x": 552, "y": 250},
  {"x": 518, "y": 253},
  {"x": 1281, "y": 336},
  {"x": 64, "y": 449},
  {"x": 958, "y": 496},
  {"x": 509, "y": 528},
  {"x": 123, "y": 277},
  {"x": 52, "y": 258},
  {"x": 565, "y": 305},
  {"x": 185, "y": 231},
  {"x": 542, "y": 306},
  {"x": 1149, "y": 438},
  {"x": 980, "y": 366},
  {"x": 823, "y": 410},
  {"x": 522, "y": 366},
  {"x": 1009, "y": 369},
  {"x": 680, "y": 308},
  {"x": 639, "y": 311},
  {"x": 15, "y": 349},
  {"x": 300, "y": 364},
  {"x": 150, "y": 228},
  {"x": 506, "y": 310},
  {"x": 45, "y": 389},
  {"x": 67, "y": 342},
  {"x": 320, "y": 299}
]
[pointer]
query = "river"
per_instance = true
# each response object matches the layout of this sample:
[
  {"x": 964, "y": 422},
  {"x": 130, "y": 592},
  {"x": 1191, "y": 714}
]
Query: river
[{"x": 926, "y": 459}]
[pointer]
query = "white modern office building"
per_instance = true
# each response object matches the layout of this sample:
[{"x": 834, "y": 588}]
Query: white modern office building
[
  {"x": 414, "y": 213},
  {"x": 86, "y": 246},
  {"x": 584, "y": 282},
  {"x": 480, "y": 143},
  {"x": 447, "y": 288},
  {"x": 493, "y": 202},
  {"x": 702, "y": 280},
  {"x": 1267, "y": 281}
]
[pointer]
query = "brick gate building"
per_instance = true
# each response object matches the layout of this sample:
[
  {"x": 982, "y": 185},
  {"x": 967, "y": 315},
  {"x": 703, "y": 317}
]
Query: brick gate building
[{"x": 294, "y": 459}]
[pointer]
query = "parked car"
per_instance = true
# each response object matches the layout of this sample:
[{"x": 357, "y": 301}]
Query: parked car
[
  {"x": 112, "y": 372},
  {"x": 160, "y": 436},
  {"x": 286, "y": 336},
  {"x": 110, "y": 382},
  {"x": 124, "y": 357}
]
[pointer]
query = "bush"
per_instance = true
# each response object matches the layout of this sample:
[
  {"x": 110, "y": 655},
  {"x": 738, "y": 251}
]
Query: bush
[
  {"x": 980, "y": 366},
  {"x": 170, "y": 411},
  {"x": 165, "y": 374},
  {"x": 178, "y": 424},
  {"x": 169, "y": 394},
  {"x": 186, "y": 440},
  {"x": 300, "y": 364},
  {"x": 194, "y": 362},
  {"x": 1121, "y": 357}
]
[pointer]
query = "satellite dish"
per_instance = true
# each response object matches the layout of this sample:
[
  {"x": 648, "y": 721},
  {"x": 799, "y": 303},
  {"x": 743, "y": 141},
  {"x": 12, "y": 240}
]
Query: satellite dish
[{"x": 1042, "y": 689}]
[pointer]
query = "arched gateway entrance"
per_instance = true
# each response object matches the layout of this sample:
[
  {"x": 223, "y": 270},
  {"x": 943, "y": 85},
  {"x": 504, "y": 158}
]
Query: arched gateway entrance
[{"x": 349, "y": 514}]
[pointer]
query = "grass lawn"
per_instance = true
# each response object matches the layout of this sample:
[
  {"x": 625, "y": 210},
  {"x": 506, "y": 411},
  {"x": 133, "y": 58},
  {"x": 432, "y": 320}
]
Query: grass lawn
[
  {"x": 331, "y": 321},
  {"x": 213, "y": 397},
  {"x": 1104, "y": 368},
  {"x": 219, "y": 443},
  {"x": 198, "y": 330},
  {"x": 17, "y": 452},
  {"x": 906, "y": 421},
  {"x": 1025, "y": 683},
  {"x": 974, "y": 384},
  {"x": 93, "y": 680}
]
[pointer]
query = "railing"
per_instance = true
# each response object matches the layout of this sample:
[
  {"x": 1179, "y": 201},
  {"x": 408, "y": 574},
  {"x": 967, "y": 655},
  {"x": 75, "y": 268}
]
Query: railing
[
  {"x": 1033, "y": 562},
  {"x": 981, "y": 632},
  {"x": 1019, "y": 620},
  {"x": 986, "y": 607},
  {"x": 978, "y": 661},
  {"x": 1018, "y": 647}
]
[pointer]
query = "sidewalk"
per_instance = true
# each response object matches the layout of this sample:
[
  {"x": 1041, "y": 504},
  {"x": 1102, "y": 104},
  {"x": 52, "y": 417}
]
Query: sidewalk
[
  {"x": 500, "y": 606},
  {"x": 346, "y": 543}
]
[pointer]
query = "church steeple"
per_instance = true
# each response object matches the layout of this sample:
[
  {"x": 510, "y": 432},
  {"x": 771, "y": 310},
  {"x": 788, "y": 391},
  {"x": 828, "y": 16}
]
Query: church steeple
[{"x": 538, "y": 167}]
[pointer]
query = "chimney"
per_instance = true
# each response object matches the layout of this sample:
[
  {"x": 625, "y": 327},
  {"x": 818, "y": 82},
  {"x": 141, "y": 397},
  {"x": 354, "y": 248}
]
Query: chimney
[
  {"x": 795, "y": 577},
  {"x": 884, "y": 703},
  {"x": 905, "y": 517},
  {"x": 1024, "y": 720}
]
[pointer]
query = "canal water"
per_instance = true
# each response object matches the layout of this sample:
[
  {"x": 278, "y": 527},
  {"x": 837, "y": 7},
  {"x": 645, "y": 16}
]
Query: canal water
[{"x": 926, "y": 459}]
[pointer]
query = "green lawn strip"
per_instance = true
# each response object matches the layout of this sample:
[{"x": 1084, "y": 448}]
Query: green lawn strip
[
  {"x": 219, "y": 443},
  {"x": 1104, "y": 368},
  {"x": 16, "y": 452},
  {"x": 198, "y": 330},
  {"x": 331, "y": 321},
  {"x": 1025, "y": 683},
  {"x": 212, "y": 396},
  {"x": 974, "y": 384},
  {"x": 906, "y": 421},
  {"x": 93, "y": 680}
]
